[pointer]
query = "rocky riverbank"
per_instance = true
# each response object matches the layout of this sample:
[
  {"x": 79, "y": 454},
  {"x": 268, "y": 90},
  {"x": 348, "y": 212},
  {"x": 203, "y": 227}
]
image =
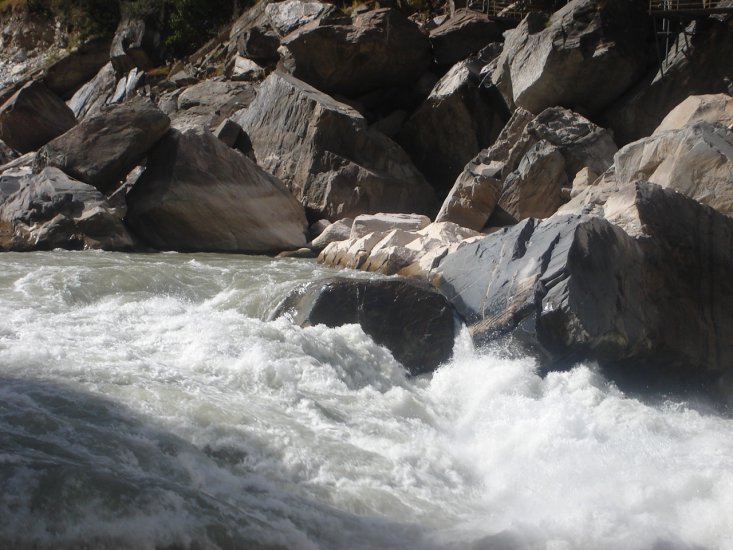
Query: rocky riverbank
[{"x": 560, "y": 181}]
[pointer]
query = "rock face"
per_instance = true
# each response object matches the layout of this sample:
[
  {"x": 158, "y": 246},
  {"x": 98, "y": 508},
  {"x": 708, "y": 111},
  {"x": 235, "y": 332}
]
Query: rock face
[
  {"x": 465, "y": 33},
  {"x": 697, "y": 65},
  {"x": 376, "y": 49},
  {"x": 696, "y": 160},
  {"x": 700, "y": 108},
  {"x": 103, "y": 149},
  {"x": 580, "y": 287},
  {"x": 70, "y": 72},
  {"x": 457, "y": 120},
  {"x": 413, "y": 321},
  {"x": 197, "y": 194},
  {"x": 32, "y": 117},
  {"x": 51, "y": 210},
  {"x": 583, "y": 57},
  {"x": 323, "y": 150}
]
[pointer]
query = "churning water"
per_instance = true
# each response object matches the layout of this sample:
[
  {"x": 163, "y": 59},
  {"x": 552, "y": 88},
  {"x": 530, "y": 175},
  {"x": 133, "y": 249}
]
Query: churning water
[{"x": 145, "y": 404}]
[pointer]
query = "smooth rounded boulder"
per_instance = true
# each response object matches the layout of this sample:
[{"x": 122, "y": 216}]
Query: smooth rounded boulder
[
  {"x": 415, "y": 322},
  {"x": 198, "y": 194}
]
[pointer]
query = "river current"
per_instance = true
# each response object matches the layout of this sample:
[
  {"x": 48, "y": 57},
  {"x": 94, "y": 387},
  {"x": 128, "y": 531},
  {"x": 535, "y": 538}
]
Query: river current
[{"x": 145, "y": 403}]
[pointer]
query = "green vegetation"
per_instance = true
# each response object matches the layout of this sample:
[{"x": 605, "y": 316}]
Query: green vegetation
[{"x": 184, "y": 24}]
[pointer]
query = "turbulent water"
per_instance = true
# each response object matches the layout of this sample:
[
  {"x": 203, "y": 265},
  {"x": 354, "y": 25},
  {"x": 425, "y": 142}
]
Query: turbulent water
[{"x": 144, "y": 403}]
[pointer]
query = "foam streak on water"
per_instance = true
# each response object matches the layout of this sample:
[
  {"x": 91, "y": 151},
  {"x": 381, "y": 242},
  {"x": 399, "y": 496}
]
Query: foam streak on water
[{"x": 145, "y": 404}]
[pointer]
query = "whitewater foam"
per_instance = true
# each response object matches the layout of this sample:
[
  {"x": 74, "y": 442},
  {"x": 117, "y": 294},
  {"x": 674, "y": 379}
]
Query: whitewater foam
[{"x": 145, "y": 403}]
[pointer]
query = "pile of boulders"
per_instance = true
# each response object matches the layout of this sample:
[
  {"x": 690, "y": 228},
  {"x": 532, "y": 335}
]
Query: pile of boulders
[{"x": 556, "y": 184}]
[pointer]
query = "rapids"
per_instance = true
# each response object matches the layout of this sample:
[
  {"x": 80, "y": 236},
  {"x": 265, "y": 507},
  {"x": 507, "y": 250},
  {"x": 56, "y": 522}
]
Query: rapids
[{"x": 144, "y": 403}]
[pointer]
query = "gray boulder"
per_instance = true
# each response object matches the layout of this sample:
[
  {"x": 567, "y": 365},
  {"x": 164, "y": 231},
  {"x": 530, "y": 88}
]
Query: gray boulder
[
  {"x": 51, "y": 210},
  {"x": 412, "y": 320},
  {"x": 372, "y": 50},
  {"x": 197, "y": 194},
  {"x": 458, "y": 119},
  {"x": 325, "y": 153},
  {"x": 68, "y": 74},
  {"x": 103, "y": 149},
  {"x": 95, "y": 94},
  {"x": 464, "y": 34},
  {"x": 578, "y": 287},
  {"x": 285, "y": 17},
  {"x": 33, "y": 116},
  {"x": 582, "y": 57}
]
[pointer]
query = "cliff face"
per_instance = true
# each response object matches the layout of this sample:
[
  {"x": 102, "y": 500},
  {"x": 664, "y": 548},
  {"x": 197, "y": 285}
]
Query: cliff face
[{"x": 299, "y": 108}]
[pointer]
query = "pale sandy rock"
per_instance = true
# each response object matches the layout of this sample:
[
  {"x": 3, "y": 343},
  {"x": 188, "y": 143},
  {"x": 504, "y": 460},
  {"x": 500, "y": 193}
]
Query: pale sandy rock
[
  {"x": 369, "y": 223},
  {"x": 699, "y": 108},
  {"x": 338, "y": 231}
]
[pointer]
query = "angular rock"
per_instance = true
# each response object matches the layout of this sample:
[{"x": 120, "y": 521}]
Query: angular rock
[
  {"x": 581, "y": 288},
  {"x": 699, "y": 108},
  {"x": 695, "y": 160},
  {"x": 246, "y": 69},
  {"x": 93, "y": 95},
  {"x": 103, "y": 149},
  {"x": 365, "y": 224},
  {"x": 76, "y": 68},
  {"x": 413, "y": 321},
  {"x": 32, "y": 117},
  {"x": 465, "y": 33},
  {"x": 473, "y": 197},
  {"x": 208, "y": 103},
  {"x": 324, "y": 151},
  {"x": 700, "y": 64},
  {"x": 259, "y": 44},
  {"x": 376, "y": 49},
  {"x": 137, "y": 44},
  {"x": 6, "y": 154},
  {"x": 338, "y": 231},
  {"x": 197, "y": 194},
  {"x": 458, "y": 119},
  {"x": 51, "y": 210},
  {"x": 285, "y": 17},
  {"x": 583, "y": 57}
]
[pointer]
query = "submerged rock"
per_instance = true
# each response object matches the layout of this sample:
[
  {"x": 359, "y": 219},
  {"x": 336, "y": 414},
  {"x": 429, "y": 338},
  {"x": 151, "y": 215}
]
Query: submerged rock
[{"x": 413, "y": 321}]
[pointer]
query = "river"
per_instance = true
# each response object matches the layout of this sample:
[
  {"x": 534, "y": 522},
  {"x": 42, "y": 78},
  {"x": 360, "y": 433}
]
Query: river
[{"x": 145, "y": 403}]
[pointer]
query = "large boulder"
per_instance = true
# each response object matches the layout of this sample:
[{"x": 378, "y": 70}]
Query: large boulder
[
  {"x": 197, "y": 194},
  {"x": 582, "y": 57},
  {"x": 700, "y": 108},
  {"x": 68, "y": 74},
  {"x": 326, "y": 154},
  {"x": 462, "y": 35},
  {"x": 33, "y": 116},
  {"x": 103, "y": 149},
  {"x": 352, "y": 56},
  {"x": 285, "y": 17},
  {"x": 371, "y": 223},
  {"x": 458, "y": 119},
  {"x": 51, "y": 210},
  {"x": 576, "y": 287},
  {"x": 696, "y": 160},
  {"x": 533, "y": 162},
  {"x": 700, "y": 64},
  {"x": 412, "y": 320}
]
